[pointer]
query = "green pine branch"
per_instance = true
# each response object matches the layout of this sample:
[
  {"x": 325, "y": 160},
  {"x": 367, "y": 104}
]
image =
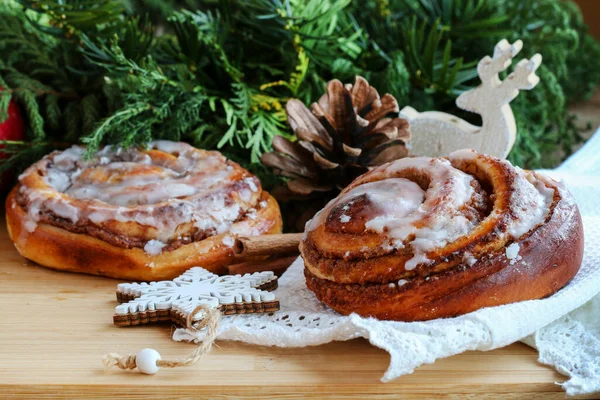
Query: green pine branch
[{"x": 218, "y": 73}]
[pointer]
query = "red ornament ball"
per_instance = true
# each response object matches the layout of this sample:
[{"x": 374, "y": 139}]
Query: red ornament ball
[{"x": 13, "y": 128}]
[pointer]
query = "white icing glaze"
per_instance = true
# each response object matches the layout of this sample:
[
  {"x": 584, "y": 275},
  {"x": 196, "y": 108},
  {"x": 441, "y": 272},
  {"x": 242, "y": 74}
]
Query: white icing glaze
[
  {"x": 396, "y": 197},
  {"x": 530, "y": 203},
  {"x": 418, "y": 258},
  {"x": 126, "y": 185},
  {"x": 245, "y": 194},
  {"x": 251, "y": 184},
  {"x": 58, "y": 179},
  {"x": 228, "y": 241},
  {"x": 252, "y": 214},
  {"x": 463, "y": 154},
  {"x": 154, "y": 247},
  {"x": 530, "y": 200},
  {"x": 512, "y": 251},
  {"x": 445, "y": 223},
  {"x": 469, "y": 259},
  {"x": 29, "y": 224},
  {"x": 169, "y": 147},
  {"x": 405, "y": 206},
  {"x": 65, "y": 210},
  {"x": 67, "y": 159}
]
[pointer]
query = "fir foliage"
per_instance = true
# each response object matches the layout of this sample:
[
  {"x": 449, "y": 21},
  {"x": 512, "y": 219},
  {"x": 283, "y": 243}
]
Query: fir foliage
[{"x": 217, "y": 74}]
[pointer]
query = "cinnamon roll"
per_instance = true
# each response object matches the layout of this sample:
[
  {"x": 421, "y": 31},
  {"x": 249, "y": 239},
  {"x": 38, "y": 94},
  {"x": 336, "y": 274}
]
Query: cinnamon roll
[
  {"x": 423, "y": 238},
  {"x": 138, "y": 214}
]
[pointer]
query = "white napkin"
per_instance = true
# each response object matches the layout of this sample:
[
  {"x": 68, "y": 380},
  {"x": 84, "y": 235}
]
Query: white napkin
[{"x": 570, "y": 343}]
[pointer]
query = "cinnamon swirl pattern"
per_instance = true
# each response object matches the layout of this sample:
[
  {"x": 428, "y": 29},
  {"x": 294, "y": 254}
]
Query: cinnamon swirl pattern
[
  {"x": 424, "y": 238},
  {"x": 142, "y": 214}
]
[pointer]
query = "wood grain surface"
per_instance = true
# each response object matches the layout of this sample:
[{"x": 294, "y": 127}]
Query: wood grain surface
[{"x": 56, "y": 326}]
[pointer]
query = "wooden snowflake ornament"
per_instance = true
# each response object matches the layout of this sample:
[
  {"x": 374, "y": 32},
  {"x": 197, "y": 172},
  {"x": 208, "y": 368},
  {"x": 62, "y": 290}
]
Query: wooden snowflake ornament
[
  {"x": 438, "y": 134},
  {"x": 144, "y": 303}
]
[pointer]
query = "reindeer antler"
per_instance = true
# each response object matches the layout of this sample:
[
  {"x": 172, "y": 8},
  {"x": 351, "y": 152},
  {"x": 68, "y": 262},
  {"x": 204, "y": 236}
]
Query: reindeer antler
[
  {"x": 436, "y": 133},
  {"x": 524, "y": 77},
  {"x": 504, "y": 92},
  {"x": 488, "y": 68}
]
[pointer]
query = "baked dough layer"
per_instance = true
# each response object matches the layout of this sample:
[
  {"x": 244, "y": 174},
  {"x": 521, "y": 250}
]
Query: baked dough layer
[
  {"x": 522, "y": 240},
  {"x": 139, "y": 214}
]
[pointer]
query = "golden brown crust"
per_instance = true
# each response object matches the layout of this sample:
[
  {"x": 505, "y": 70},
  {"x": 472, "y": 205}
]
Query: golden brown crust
[
  {"x": 140, "y": 214},
  {"x": 350, "y": 267},
  {"x": 123, "y": 202},
  {"x": 129, "y": 234},
  {"x": 60, "y": 249},
  {"x": 491, "y": 281},
  {"x": 349, "y": 258}
]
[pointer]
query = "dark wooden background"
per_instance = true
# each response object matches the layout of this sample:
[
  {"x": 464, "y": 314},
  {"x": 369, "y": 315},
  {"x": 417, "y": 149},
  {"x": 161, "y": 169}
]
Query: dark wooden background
[{"x": 591, "y": 15}]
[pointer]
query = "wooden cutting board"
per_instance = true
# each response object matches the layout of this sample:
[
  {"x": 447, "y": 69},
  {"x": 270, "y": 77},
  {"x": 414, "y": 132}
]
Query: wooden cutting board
[{"x": 56, "y": 327}]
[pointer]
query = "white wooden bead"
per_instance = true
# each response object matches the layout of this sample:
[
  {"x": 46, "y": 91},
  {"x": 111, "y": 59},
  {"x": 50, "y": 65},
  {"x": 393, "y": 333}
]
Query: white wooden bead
[{"x": 146, "y": 361}]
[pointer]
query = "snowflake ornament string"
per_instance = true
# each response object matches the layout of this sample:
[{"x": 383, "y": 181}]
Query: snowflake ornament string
[{"x": 144, "y": 303}]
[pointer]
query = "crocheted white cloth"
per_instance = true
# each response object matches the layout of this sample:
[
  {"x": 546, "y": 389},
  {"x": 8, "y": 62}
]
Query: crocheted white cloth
[{"x": 570, "y": 343}]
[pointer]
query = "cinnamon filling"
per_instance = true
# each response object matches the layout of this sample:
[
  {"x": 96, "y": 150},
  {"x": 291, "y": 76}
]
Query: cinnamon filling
[
  {"x": 106, "y": 235},
  {"x": 159, "y": 199},
  {"x": 503, "y": 204}
]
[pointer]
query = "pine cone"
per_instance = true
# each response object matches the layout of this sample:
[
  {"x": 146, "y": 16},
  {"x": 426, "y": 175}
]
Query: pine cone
[{"x": 349, "y": 130}]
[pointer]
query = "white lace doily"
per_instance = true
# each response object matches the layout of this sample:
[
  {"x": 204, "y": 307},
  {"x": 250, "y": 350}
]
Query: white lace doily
[{"x": 570, "y": 343}]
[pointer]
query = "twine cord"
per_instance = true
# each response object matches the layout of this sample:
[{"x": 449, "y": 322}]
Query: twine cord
[{"x": 210, "y": 322}]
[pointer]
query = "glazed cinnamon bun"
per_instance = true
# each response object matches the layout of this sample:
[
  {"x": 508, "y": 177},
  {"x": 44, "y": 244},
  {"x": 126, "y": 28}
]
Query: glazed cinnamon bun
[
  {"x": 138, "y": 214},
  {"x": 423, "y": 238}
]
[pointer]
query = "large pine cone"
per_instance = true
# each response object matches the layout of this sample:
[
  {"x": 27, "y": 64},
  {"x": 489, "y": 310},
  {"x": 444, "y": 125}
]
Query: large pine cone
[{"x": 349, "y": 130}]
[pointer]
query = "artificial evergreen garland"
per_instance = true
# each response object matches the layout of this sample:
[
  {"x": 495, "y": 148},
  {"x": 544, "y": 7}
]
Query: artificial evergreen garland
[{"x": 219, "y": 73}]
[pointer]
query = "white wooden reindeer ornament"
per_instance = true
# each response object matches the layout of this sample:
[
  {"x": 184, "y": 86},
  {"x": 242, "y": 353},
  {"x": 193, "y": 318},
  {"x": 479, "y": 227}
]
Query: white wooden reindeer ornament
[{"x": 438, "y": 134}]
